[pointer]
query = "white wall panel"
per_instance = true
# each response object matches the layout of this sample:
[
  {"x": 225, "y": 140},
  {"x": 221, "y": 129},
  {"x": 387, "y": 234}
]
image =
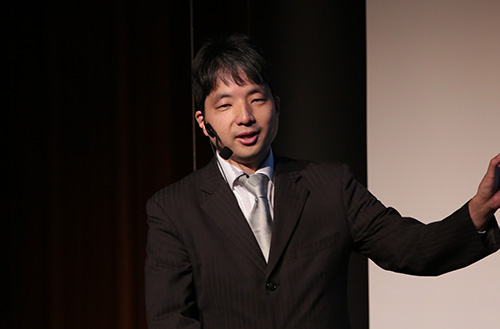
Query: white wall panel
[{"x": 433, "y": 125}]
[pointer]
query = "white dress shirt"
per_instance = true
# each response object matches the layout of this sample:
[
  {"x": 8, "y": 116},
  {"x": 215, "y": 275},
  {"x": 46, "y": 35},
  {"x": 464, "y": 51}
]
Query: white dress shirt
[{"x": 245, "y": 199}]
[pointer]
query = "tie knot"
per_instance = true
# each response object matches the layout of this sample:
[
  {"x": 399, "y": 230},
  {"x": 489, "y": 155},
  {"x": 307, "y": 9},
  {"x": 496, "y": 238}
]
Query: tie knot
[{"x": 255, "y": 184}]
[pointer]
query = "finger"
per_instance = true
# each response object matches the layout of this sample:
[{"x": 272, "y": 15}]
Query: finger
[
  {"x": 492, "y": 167},
  {"x": 496, "y": 180}
]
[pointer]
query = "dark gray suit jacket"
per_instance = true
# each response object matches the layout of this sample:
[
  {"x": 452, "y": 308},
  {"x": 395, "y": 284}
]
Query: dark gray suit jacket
[{"x": 204, "y": 268}]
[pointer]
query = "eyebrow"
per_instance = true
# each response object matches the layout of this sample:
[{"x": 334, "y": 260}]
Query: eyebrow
[
  {"x": 218, "y": 97},
  {"x": 257, "y": 90}
]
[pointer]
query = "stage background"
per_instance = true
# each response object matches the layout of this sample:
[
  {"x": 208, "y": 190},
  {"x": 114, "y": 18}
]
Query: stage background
[{"x": 99, "y": 117}]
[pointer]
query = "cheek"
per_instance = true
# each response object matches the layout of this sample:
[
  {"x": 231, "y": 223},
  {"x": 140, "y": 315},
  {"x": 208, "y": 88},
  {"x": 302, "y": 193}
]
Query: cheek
[
  {"x": 273, "y": 124},
  {"x": 224, "y": 130}
]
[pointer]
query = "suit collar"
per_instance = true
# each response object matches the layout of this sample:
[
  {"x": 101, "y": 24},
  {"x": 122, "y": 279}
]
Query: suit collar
[
  {"x": 221, "y": 206},
  {"x": 289, "y": 201}
]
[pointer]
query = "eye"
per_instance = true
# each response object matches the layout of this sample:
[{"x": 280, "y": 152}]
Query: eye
[
  {"x": 259, "y": 100},
  {"x": 222, "y": 106}
]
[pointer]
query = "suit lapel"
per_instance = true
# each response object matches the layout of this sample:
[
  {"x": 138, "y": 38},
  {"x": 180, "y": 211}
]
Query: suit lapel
[
  {"x": 289, "y": 200},
  {"x": 222, "y": 208}
]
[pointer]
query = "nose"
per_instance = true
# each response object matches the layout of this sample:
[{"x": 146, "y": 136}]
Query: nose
[{"x": 245, "y": 115}]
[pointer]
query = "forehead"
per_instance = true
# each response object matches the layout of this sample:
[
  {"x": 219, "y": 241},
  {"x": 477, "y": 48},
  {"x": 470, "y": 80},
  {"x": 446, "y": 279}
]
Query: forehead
[{"x": 230, "y": 89}]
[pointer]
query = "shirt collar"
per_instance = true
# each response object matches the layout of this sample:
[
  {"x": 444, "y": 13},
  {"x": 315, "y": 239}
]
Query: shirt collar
[{"x": 231, "y": 173}]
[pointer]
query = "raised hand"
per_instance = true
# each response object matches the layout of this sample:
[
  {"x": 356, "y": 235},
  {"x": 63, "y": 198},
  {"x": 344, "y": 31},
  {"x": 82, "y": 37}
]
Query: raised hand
[{"x": 487, "y": 199}]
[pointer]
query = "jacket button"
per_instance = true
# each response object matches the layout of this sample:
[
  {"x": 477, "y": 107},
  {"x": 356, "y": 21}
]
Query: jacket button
[{"x": 271, "y": 286}]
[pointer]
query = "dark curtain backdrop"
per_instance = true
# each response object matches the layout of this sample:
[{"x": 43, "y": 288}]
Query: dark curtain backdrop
[{"x": 98, "y": 117}]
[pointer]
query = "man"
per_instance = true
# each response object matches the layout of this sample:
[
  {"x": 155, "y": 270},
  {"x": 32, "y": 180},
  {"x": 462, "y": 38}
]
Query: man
[{"x": 221, "y": 255}]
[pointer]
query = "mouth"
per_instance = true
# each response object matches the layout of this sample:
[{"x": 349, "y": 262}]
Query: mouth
[{"x": 248, "y": 138}]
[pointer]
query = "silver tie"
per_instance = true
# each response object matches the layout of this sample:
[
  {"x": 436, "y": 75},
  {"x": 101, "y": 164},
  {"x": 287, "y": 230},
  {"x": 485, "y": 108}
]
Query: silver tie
[{"x": 260, "y": 217}]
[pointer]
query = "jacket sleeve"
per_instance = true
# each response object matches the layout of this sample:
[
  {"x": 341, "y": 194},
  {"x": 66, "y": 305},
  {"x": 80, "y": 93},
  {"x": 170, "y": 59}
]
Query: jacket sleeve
[
  {"x": 169, "y": 288},
  {"x": 406, "y": 245}
]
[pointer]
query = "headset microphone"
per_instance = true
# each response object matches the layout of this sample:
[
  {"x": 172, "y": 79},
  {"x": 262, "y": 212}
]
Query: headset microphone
[
  {"x": 210, "y": 130},
  {"x": 225, "y": 152}
]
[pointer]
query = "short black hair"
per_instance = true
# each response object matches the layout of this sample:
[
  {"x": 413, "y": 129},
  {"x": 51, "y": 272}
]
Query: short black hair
[{"x": 236, "y": 56}]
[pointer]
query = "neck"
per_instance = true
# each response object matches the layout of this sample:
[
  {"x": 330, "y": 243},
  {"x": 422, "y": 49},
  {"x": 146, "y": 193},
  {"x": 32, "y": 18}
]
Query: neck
[{"x": 249, "y": 167}]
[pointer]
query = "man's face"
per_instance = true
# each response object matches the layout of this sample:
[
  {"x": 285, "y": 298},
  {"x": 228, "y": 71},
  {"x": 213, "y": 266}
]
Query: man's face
[{"x": 245, "y": 119}]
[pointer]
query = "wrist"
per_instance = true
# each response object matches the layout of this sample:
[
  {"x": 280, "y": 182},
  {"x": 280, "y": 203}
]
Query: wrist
[{"x": 479, "y": 213}]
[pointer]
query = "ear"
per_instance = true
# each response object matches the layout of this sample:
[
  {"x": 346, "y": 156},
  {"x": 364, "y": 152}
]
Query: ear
[
  {"x": 198, "y": 115},
  {"x": 277, "y": 104}
]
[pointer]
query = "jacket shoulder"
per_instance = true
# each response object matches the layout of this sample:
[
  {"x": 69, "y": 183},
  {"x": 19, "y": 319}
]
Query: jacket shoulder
[
  {"x": 308, "y": 167},
  {"x": 183, "y": 189}
]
